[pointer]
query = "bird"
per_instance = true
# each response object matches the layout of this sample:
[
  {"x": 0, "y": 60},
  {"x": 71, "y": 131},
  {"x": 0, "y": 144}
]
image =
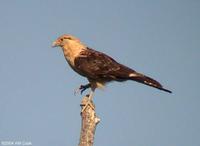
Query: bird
[{"x": 98, "y": 67}]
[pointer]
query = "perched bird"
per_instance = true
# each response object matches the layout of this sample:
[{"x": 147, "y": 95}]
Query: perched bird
[{"x": 98, "y": 67}]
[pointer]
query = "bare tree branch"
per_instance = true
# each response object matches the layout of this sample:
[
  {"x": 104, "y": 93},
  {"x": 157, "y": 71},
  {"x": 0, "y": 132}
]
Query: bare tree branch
[{"x": 89, "y": 122}]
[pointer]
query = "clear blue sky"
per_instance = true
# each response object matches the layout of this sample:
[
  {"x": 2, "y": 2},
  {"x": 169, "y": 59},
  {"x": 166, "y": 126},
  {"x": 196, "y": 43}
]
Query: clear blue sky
[{"x": 158, "y": 38}]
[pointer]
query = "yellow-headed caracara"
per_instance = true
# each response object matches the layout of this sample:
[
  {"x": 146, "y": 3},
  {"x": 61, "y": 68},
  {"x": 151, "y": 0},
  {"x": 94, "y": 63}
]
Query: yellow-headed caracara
[{"x": 98, "y": 67}]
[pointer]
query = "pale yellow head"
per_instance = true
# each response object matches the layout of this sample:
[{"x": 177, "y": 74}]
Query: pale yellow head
[
  {"x": 64, "y": 40},
  {"x": 70, "y": 45}
]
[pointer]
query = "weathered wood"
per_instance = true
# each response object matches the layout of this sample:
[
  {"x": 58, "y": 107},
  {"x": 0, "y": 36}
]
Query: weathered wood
[{"x": 89, "y": 122}]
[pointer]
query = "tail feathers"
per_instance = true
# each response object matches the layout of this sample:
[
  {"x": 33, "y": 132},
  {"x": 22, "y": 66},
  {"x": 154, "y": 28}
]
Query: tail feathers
[{"x": 147, "y": 81}]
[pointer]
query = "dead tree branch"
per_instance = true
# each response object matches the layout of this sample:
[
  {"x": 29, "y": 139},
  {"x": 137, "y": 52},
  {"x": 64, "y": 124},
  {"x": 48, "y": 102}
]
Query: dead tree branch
[{"x": 89, "y": 122}]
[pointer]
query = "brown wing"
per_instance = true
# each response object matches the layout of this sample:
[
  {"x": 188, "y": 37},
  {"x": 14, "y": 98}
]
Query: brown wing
[{"x": 99, "y": 66}]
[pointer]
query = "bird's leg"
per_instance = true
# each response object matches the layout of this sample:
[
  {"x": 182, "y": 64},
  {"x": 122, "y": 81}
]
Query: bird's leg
[
  {"x": 91, "y": 95},
  {"x": 82, "y": 88}
]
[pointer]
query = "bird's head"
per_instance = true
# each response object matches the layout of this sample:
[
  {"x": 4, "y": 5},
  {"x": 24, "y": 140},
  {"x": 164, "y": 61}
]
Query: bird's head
[{"x": 65, "y": 40}]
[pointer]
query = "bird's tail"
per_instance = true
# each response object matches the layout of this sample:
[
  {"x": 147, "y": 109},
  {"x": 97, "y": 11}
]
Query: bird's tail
[{"x": 147, "y": 81}]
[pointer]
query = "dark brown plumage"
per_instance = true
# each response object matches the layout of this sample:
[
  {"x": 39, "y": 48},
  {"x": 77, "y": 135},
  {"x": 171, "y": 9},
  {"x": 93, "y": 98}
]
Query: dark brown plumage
[{"x": 98, "y": 67}]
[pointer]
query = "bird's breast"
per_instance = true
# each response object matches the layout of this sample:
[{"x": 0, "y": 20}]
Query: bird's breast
[{"x": 71, "y": 53}]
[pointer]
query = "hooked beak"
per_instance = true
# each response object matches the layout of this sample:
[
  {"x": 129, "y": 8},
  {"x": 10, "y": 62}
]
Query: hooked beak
[{"x": 54, "y": 44}]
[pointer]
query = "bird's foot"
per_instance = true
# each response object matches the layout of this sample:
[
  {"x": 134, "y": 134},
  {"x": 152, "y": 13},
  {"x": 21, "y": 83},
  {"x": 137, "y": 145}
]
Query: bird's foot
[{"x": 81, "y": 89}]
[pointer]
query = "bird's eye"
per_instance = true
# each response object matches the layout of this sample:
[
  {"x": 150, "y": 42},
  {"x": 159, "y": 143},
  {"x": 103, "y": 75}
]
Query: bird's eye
[
  {"x": 61, "y": 39},
  {"x": 69, "y": 38}
]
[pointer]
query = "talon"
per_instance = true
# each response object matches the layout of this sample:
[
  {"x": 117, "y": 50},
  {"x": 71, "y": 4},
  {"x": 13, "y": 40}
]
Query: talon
[{"x": 81, "y": 89}]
